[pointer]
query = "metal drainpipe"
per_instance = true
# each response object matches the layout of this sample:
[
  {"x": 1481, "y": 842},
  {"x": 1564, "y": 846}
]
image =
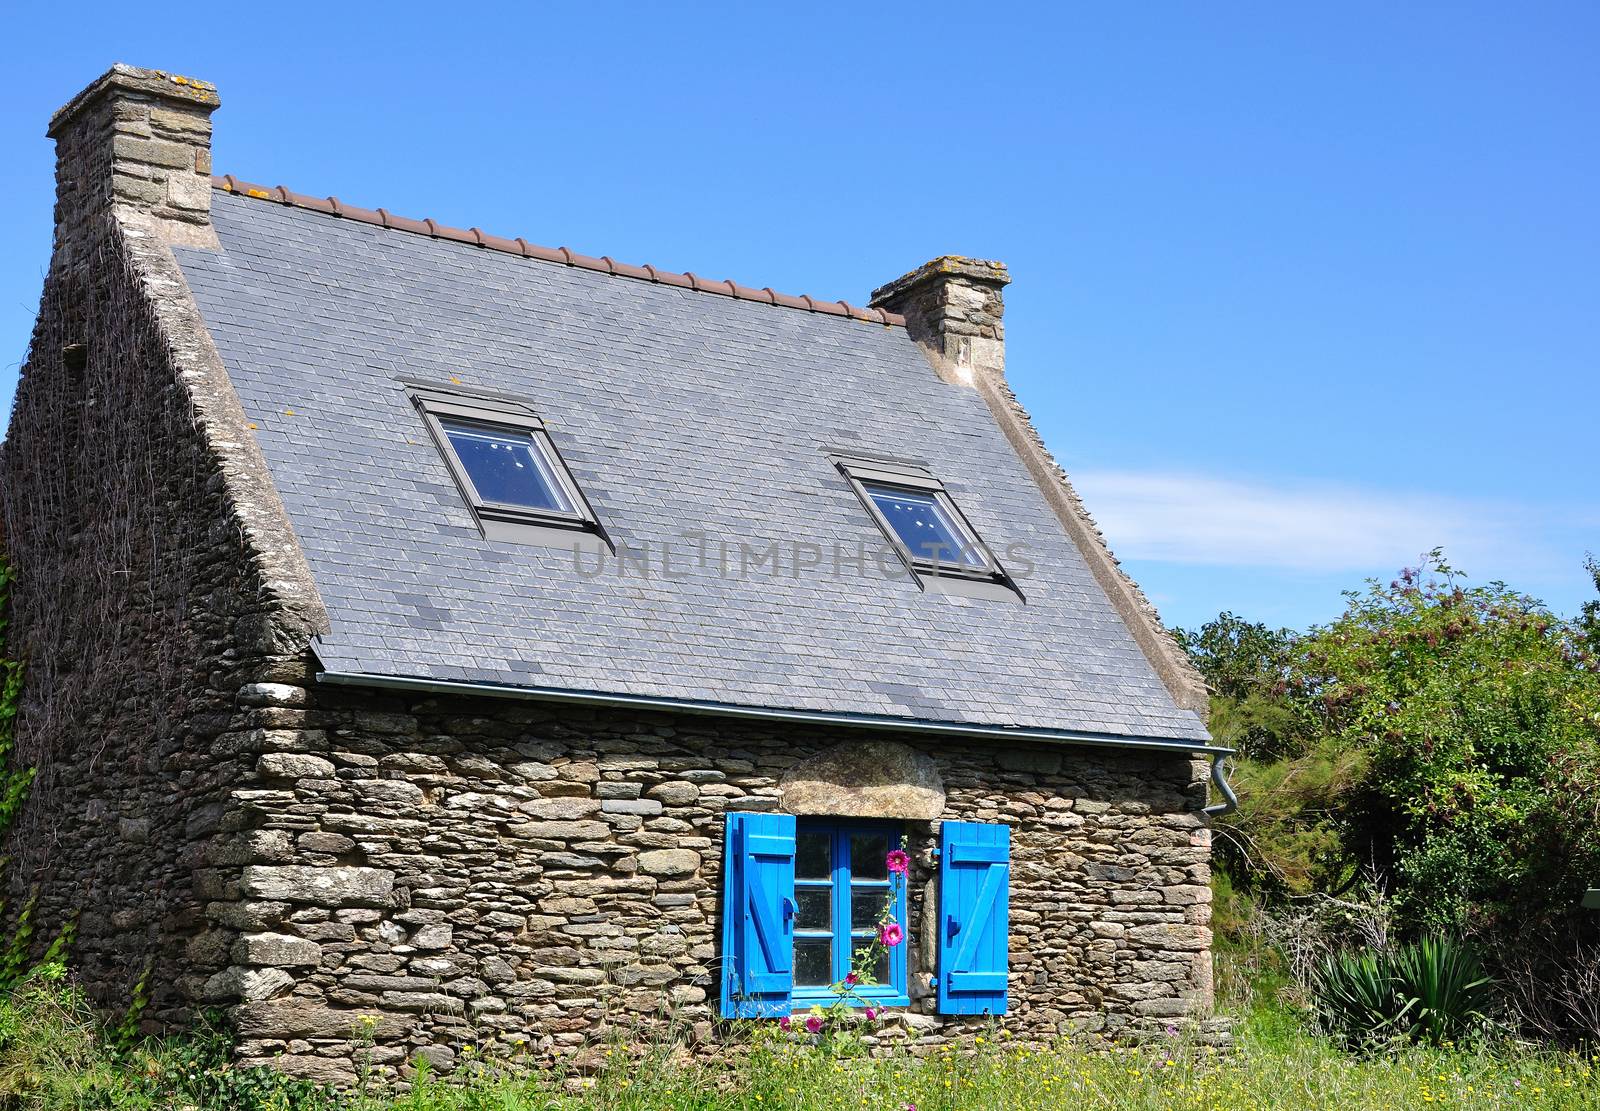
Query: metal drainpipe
[{"x": 1219, "y": 776}]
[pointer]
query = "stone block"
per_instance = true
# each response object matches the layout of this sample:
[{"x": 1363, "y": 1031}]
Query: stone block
[
  {"x": 676, "y": 793},
  {"x": 329, "y": 887},
  {"x": 561, "y": 831},
  {"x": 153, "y": 152},
  {"x": 276, "y": 951},
  {"x": 248, "y": 984},
  {"x": 564, "y": 809},
  {"x": 865, "y": 779},
  {"x": 318, "y": 842},
  {"x": 669, "y": 862},
  {"x": 644, "y": 807},
  {"x": 293, "y": 765}
]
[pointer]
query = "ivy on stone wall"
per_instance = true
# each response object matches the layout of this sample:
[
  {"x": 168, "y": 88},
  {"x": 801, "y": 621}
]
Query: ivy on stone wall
[{"x": 14, "y": 781}]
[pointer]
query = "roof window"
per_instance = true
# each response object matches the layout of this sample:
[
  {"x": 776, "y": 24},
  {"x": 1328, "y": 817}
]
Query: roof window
[
  {"x": 508, "y": 469},
  {"x": 917, "y": 515}
]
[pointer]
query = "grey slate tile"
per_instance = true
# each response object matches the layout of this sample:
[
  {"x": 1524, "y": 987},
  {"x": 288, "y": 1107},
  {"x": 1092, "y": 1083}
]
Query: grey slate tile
[{"x": 679, "y": 412}]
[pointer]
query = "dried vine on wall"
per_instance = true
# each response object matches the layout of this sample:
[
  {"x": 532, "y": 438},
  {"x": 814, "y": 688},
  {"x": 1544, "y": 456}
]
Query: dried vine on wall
[{"x": 14, "y": 781}]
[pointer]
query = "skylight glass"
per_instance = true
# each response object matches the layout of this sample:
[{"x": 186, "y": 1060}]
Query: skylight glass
[
  {"x": 506, "y": 467},
  {"x": 926, "y": 528}
]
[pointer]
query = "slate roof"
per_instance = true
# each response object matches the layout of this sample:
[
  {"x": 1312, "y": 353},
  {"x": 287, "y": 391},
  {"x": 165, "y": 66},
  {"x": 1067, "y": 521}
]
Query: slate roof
[{"x": 678, "y": 412}]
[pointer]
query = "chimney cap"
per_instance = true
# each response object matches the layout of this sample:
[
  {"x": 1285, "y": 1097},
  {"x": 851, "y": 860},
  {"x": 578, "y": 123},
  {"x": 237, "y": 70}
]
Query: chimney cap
[
  {"x": 945, "y": 267},
  {"x": 153, "y": 83}
]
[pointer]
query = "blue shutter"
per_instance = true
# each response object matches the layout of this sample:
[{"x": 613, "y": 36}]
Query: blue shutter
[
  {"x": 758, "y": 915},
  {"x": 974, "y": 878}
]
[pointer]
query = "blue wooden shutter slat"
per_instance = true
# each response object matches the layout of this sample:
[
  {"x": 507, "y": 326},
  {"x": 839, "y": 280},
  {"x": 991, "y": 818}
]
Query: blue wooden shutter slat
[
  {"x": 974, "y": 913},
  {"x": 758, "y": 919}
]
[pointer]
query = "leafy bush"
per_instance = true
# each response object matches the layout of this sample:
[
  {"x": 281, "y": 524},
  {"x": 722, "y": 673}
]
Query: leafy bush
[
  {"x": 1470, "y": 705},
  {"x": 1434, "y": 991}
]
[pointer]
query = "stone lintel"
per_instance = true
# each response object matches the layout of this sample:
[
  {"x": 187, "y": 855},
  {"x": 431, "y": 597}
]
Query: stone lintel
[{"x": 866, "y": 779}]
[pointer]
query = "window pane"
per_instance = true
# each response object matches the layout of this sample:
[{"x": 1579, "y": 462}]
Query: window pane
[
  {"x": 866, "y": 905},
  {"x": 924, "y": 527},
  {"x": 880, "y": 970},
  {"x": 869, "y": 856},
  {"x": 815, "y": 908},
  {"x": 813, "y": 961},
  {"x": 813, "y": 856},
  {"x": 506, "y": 467}
]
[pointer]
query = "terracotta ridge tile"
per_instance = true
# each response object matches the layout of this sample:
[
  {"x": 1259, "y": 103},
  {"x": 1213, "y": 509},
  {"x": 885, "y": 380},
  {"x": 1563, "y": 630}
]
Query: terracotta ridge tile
[{"x": 473, "y": 237}]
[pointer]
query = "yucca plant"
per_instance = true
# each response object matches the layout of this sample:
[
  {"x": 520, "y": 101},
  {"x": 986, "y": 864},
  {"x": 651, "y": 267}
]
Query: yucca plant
[
  {"x": 1359, "y": 998},
  {"x": 1447, "y": 982},
  {"x": 1434, "y": 990}
]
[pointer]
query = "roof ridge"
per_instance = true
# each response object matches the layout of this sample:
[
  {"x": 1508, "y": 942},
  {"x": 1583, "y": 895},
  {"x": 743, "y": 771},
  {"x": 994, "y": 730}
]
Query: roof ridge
[{"x": 332, "y": 206}]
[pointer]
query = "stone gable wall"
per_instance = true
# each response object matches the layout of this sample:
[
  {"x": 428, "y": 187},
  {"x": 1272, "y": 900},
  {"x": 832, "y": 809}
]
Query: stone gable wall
[
  {"x": 139, "y": 613},
  {"x": 505, "y": 874}
]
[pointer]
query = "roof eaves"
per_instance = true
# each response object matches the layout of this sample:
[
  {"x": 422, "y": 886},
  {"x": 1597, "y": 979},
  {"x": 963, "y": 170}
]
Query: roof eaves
[{"x": 332, "y": 206}]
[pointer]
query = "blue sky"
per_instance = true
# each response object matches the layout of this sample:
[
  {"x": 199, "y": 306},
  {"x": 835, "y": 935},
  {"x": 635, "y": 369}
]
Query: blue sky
[{"x": 1297, "y": 295}]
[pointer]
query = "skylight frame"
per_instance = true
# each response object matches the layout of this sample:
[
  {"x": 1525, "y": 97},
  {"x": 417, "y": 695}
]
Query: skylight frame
[
  {"x": 499, "y": 520},
  {"x": 939, "y": 575}
]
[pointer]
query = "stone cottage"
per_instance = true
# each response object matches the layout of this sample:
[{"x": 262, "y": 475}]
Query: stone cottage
[{"x": 506, "y": 643}]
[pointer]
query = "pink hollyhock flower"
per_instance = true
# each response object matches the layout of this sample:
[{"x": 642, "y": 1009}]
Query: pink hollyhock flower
[
  {"x": 872, "y": 1013},
  {"x": 898, "y": 861},
  {"x": 891, "y": 934},
  {"x": 784, "y": 1023},
  {"x": 813, "y": 1024}
]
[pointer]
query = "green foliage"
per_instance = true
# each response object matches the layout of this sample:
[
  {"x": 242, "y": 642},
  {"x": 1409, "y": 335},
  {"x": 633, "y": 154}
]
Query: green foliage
[
  {"x": 1286, "y": 838},
  {"x": 125, "y": 1033},
  {"x": 1439, "y": 743},
  {"x": 198, "y": 1072},
  {"x": 1248, "y": 669},
  {"x": 1358, "y": 998},
  {"x": 16, "y": 960},
  {"x": 1434, "y": 991},
  {"x": 53, "y": 1056},
  {"x": 1589, "y": 613},
  {"x": 1477, "y": 711},
  {"x": 14, "y": 782}
]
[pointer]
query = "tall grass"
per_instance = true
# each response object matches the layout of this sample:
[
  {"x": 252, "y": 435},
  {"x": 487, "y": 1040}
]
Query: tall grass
[{"x": 53, "y": 1055}]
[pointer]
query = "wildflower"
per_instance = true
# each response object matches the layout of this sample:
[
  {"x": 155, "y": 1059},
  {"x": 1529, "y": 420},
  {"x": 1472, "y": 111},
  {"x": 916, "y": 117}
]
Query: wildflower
[
  {"x": 813, "y": 1024},
  {"x": 1172, "y": 1031},
  {"x": 891, "y": 934},
  {"x": 872, "y": 1013},
  {"x": 784, "y": 1023},
  {"x": 851, "y": 978},
  {"x": 898, "y": 861}
]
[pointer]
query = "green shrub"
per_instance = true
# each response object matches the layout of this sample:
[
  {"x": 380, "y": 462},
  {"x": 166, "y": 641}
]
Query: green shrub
[
  {"x": 1359, "y": 1000},
  {"x": 1433, "y": 991}
]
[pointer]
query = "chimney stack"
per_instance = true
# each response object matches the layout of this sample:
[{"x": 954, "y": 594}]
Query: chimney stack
[
  {"x": 136, "y": 142},
  {"x": 953, "y": 308}
]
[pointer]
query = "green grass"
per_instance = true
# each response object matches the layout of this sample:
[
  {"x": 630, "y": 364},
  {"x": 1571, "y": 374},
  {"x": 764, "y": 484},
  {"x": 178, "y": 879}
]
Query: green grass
[
  {"x": 53, "y": 1055},
  {"x": 1307, "y": 1073}
]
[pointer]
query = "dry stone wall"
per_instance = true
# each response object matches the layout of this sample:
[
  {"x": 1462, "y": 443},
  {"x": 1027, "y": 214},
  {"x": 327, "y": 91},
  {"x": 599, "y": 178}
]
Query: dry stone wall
[
  {"x": 139, "y": 614},
  {"x": 428, "y": 873}
]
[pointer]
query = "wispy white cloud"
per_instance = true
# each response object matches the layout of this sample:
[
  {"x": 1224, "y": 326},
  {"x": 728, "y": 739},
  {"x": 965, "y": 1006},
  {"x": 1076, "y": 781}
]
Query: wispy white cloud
[{"x": 1313, "y": 527}]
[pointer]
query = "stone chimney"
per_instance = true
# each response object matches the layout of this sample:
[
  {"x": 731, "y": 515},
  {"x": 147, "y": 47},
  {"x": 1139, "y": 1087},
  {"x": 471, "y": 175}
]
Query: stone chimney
[
  {"x": 953, "y": 308},
  {"x": 136, "y": 143}
]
